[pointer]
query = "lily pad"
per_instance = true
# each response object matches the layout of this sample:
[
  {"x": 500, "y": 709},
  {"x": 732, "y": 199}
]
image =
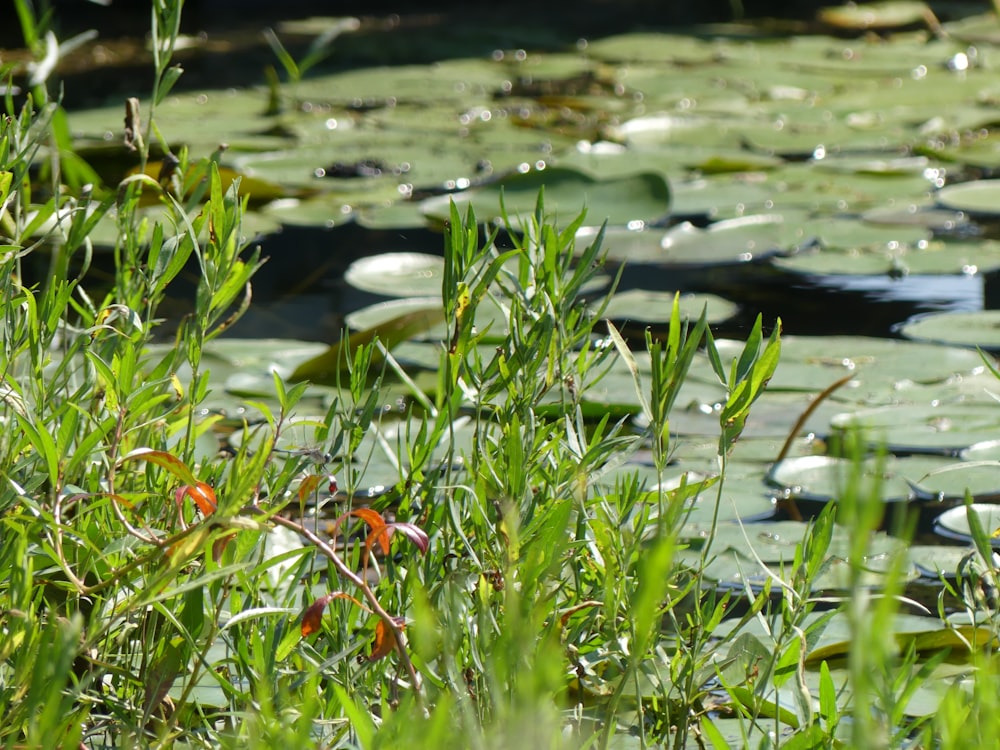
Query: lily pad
[
  {"x": 813, "y": 362},
  {"x": 980, "y": 198},
  {"x": 954, "y": 524},
  {"x": 645, "y": 306},
  {"x": 398, "y": 274},
  {"x": 980, "y": 328},
  {"x": 826, "y": 478},
  {"x": 643, "y": 197},
  {"x": 330, "y": 366},
  {"x": 944, "y": 429},
  {"x": 739, "y": 551}
]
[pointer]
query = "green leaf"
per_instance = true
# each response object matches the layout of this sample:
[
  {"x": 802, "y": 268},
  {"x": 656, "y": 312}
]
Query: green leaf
[{"x": 167, "y": 82}]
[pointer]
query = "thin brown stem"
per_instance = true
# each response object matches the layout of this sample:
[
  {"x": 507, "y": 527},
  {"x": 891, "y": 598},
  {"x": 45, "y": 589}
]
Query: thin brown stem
[{"x": 358, "y": 581}]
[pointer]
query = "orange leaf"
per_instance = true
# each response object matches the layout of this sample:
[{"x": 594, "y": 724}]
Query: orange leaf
[
  {"x": 312, "y": 618},
  {"x": 308, "y": 486},
  {"x": 202, "y": 494},
  {"x": 385, "y": 640}
]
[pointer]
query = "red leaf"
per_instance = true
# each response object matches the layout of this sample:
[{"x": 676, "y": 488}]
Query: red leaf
[
  {"x": 385, "y": 640},
  {"x": 312, "y": 618}
]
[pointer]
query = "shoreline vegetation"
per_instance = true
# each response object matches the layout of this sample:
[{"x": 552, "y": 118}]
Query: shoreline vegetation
[{"x": 516, "y": 583}]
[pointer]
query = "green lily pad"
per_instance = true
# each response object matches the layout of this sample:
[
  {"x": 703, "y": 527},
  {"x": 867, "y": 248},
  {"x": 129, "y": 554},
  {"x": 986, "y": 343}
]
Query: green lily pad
[
  {"x": 980, "y": 328},
  {"x": 937, "y": 560},
  {"x": 324, "y": 211},
  {"x": 827, "y": 478},
  {"x": 954, "y": 523},
  {"x": 814, "y": 362},
  {"x": 979, "y": 198},
  {"x": 643, "y": 197},
  {"x": 988, "y": 450},
  {"x": 980, "y": 479},
  {"x": 398, "y": 274},
  {"x": 909, "y": 428},
  {"x": 738, "y": 552},
  {"x": 921, "y": 213},
  {"x": 645, "y": 306}
]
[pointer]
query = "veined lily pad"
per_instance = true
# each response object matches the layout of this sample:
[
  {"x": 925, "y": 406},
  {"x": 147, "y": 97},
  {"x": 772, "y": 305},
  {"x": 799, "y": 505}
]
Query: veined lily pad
[
  {"x": 398, "y": 274},
  {"x": 981, "y": 328},
  {"x": 642, "y": 197}
]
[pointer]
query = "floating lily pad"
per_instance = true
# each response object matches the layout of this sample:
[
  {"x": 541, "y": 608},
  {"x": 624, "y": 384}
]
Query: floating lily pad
[
  {"x": 937, "y": 560},
  {"x": 323, "y": 211},
  {"x": 732, "y": 241},
  {"x": 980, "y": 328},
  {"x": 398, "y": 274},
  {"x": 988, "y": 450},
  {"x": 954, "y": 524},
  {"x": 738, "y": 240},
  {"x": 980, "y": 479},
  {"x": 980, "y": 198},
  {"x": 641, "y": 305},
  {"x": 830, "y": 262},
  {"x": 826, "y": 478},
  {"x": 331, "y": 365},
  {"x": 810, "y": 363},
  {"x": 743, "y": 497},
  {"x": 738, "y": 551},
  {"x": 909, "y": 428},
  {"x": 922, "y": 214},
  {"x": 642, "y": 197}
]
